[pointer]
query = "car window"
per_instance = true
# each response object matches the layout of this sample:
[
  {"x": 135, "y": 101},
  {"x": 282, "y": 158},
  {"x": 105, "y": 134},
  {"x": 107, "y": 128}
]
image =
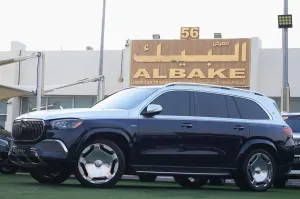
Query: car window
[
  {"x": 210, "y": 105},
  {"x": 1, "y": 128},
  {"x": 125, "y": 99},
  {"x": 232, "y": 109},
  {"x": 294, "y": 123},
  {"x": 250, "y": 109},
  {"x": 176, "y": 103}
]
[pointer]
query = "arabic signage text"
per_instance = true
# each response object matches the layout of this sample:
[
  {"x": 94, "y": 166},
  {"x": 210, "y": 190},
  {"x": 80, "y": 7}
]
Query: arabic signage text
[{"x": 212, "y": 61}]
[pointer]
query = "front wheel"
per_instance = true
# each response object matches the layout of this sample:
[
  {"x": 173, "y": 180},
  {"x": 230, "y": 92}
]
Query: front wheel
[
  {"x": 191, "y": 182},
  {"x": 101, "y": 164},
  {"x": 49, "y": 177},
  {"x": 257, "y": 171}
]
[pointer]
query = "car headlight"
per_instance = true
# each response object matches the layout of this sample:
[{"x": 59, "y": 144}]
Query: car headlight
[{"x": 65, "y": 124}]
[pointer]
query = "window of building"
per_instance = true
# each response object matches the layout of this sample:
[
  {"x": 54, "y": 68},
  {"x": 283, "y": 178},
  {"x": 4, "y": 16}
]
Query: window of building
[
  {"x": 60, "y": 103},
  {"x": 84, "y": 102},
  {"x": 2, "y": 120},
  {"x": 210, "y": 105},
  {"x": 3, "y": 112},
  {"x": 29, "y": 104},
  {"x": 57, "y": 102},
  {"x": 176, "y": 103},
  {"x": 250, "y": 109}
]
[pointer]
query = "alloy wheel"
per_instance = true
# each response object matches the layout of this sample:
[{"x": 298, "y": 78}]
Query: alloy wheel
[
  {"x": 98, "y": 163},
  {"x": 260, "y": 170}
]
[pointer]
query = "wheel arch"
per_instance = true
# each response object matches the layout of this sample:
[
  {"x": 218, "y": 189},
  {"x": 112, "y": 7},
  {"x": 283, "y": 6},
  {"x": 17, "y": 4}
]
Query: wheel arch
[
  {"x": 257, "y": 143},
  {"x": 120, "y": 137}
]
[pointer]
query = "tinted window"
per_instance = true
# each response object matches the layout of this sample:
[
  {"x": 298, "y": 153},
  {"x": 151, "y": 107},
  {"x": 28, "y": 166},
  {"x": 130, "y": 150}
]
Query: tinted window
[
  {"x": 125, "y": 99},
  {"x": 250, "y": 109},
  {"x": 210, "y": 105},
  {"x": 175, "y": 103},
  {"x": 233, "y": 112},
  {"x": 294, "y": 123}
]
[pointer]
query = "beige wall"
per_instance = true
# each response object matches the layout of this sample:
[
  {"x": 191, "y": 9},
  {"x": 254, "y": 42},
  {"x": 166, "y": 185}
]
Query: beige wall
[{"x": 270, "y": 72}]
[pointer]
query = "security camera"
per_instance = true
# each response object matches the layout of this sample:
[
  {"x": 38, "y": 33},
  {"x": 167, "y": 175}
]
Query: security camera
[{"x": 127, "y": 43}]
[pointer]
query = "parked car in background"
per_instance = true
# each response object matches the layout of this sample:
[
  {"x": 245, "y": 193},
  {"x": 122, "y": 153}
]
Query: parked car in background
[
  {"x": 192, "y": 132},
  {"x": 6, "y": 166},
  {"x": 293, "y": 120},
  {"x": 4, "y": 132}
]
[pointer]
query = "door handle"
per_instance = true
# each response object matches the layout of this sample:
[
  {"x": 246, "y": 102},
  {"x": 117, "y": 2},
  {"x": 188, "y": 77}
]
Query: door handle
[
  {"x": 240, "y": 128},
  {"x": 186, "y": 125}
]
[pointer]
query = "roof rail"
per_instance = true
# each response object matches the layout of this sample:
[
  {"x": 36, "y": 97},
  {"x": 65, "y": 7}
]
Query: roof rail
[{"x": 212, "y": 86}]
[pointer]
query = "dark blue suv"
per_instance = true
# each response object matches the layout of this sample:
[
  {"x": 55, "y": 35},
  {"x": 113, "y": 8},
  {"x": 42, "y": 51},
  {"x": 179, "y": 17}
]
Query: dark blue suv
[{"x": 192, "y": 132}]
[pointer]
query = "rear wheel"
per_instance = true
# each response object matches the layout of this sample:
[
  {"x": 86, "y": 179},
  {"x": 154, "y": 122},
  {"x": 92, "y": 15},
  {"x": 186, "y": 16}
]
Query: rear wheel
[
  {"x": 147, "y": 178},
  {"x": 191, "y": 182},
  {"x": 50, "y": 177},
  {"x": 100, "y": 164},
  {"x": 280, "y": 182},
  {"x": 257, "y": 171}
]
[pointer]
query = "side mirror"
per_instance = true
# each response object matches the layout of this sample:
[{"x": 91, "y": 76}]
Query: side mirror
[{"x": 152, "y": 109}]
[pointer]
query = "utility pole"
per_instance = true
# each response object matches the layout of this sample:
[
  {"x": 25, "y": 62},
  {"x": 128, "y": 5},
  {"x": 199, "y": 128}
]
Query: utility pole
[
  {"x": 39, "y": 82},
  {"x": 285, "y": 22},
  {"x": 285, "y": 83},
  {"x": 100, "y": 92}
]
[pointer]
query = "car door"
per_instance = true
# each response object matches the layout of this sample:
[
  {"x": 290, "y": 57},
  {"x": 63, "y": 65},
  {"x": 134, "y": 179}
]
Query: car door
[
  {"x": 218, "y": 132},
  {"x": 159, "y": 140}
]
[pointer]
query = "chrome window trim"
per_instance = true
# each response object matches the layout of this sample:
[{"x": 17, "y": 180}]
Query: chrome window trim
[{"x": 155, "y": 95}]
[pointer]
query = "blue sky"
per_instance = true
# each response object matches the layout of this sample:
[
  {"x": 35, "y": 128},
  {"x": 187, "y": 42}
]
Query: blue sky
[{"x": 75, "y": 24}]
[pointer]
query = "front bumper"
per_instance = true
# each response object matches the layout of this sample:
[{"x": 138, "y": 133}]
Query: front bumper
[{"x": 40, "y": 154}]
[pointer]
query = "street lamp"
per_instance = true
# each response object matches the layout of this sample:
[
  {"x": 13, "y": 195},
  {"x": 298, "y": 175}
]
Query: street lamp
[
  {"x": 285, "y": 22},
  {"x": 100, "y": 82}
]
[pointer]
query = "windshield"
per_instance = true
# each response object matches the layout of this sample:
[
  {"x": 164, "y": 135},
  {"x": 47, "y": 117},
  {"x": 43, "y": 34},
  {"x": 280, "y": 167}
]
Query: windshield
[
  {"x": 125, "y": 99},
  {"x": 294, "y": 123}
]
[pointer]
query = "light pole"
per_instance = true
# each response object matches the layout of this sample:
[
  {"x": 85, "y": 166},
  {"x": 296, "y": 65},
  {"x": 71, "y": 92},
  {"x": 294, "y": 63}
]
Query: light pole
[
  {"x": 285, "y": 22},
  {"x": 100, "y": 73}
]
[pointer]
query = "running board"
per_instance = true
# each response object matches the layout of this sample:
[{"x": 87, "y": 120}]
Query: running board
[{"x": 183, "y": 173}]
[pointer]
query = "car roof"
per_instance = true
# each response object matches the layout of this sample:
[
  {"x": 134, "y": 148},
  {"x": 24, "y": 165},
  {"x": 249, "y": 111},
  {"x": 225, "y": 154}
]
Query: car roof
[{"x": 212, "y": 88}]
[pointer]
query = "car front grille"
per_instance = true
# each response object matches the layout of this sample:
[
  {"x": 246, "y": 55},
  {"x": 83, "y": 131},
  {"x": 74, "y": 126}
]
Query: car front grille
[{"x": 27, "y": 130}]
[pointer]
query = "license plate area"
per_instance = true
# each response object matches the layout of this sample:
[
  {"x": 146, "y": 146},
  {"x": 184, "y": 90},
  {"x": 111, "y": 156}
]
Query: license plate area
[{"x": 20, "y": 150}]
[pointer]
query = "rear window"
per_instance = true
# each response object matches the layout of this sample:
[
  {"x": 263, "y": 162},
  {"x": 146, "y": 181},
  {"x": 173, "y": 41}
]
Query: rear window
[{"x": 294, "y": 123}]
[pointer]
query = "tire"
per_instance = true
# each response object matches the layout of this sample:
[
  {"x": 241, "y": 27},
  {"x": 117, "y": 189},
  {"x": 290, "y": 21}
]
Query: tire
[
  {"x": 9, "y": 170},
  {"x": 49, "y": 177},
  {"x": 147, "y": 178},
  {"x": 260, "y": 160},
  {"x": 280, "y": 182},
  {"x": 217, "y": 181},
  {"x": 191, "y": 183},
  {"x": 105, "y": 155}
]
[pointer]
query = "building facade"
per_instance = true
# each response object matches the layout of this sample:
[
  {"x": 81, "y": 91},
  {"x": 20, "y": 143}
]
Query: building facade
[{"x": 144, "y": 63}]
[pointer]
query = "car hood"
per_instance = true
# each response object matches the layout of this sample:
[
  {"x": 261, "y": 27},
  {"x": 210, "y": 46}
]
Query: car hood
[{"x": 82, "y": 113}]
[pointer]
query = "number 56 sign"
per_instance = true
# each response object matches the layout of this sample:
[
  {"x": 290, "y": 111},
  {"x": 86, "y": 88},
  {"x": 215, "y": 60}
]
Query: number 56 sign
[{"x": 189, "y": 33}]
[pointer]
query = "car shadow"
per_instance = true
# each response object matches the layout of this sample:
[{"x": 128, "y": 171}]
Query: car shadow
[{"x": 152, "y": 187}]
